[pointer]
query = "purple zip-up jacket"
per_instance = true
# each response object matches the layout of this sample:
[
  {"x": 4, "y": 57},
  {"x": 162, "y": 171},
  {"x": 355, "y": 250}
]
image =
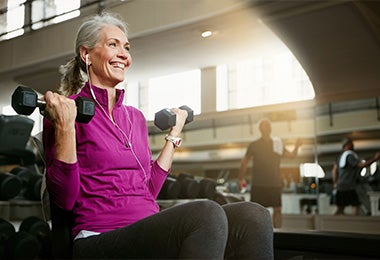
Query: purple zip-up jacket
[{"x": 107, "y": 187}]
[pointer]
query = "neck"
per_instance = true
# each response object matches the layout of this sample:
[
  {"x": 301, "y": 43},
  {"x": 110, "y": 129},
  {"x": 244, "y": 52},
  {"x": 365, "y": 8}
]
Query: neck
[
  {"x": 111, "y": 96},
  {"x": 111, "y": 99}
]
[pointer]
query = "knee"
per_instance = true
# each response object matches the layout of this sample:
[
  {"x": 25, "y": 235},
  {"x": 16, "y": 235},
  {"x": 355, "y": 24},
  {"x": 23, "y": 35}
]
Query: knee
[
  {"x": 250, "y": 212},
  {"x": 210, "y": 214},
  {"x": 209, "y": 208}
]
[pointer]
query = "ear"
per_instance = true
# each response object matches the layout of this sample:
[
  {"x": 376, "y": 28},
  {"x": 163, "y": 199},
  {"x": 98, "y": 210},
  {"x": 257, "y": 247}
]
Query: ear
[{"x": 83, "y": 52}]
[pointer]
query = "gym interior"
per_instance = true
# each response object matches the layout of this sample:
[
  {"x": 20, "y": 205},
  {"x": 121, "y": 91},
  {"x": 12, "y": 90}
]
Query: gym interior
[{"x": 337, "y": 44}]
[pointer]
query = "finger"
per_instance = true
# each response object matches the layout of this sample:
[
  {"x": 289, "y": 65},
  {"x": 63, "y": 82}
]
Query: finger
[
  {"x": 175, "y": 110},
  {"x": 48, "y": 95}
]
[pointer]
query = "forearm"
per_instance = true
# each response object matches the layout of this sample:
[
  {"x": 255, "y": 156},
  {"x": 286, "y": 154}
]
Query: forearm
[
  {"x": 367, "y": 162},
  {"x": 65, "y": 145},
  {"x": 165, "y": 158},
  {"x": 243, "y": 169}
]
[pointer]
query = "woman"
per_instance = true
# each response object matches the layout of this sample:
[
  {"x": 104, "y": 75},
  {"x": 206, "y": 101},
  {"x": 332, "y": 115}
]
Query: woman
[{"x": 103, "y": 173}]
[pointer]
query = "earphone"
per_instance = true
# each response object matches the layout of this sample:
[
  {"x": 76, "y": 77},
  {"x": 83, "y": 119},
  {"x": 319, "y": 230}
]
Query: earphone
[{"x": 129, "y": 144}]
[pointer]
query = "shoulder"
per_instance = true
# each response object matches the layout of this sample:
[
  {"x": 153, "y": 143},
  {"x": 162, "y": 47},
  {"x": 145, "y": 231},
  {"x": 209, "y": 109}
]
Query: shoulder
[
  {"x": 73, "y": 96},
  {"x": 256, "y": 142},
  {"x": 352, "y": 156},
  {"x": 252, "y": 145},
  {"x": 135, "y": 112},
  {"x": 259, "y": 142}
]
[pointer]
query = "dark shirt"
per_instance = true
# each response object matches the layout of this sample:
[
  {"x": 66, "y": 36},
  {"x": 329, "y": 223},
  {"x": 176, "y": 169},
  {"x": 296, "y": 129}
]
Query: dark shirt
[
  {"x": 348, "y": 170},
  {"x": 266, "y": 163}
]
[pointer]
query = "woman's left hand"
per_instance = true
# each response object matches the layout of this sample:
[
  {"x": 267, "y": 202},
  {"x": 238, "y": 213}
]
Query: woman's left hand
[{"x": 181, "y": 116}]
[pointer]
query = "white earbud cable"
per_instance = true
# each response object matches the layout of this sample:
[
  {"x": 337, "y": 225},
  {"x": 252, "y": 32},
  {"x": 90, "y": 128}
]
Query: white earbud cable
[{"x": 114, "y": 123}]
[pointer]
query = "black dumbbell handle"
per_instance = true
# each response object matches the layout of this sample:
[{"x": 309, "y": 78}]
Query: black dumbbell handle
[{"x": 41, "y": 104}]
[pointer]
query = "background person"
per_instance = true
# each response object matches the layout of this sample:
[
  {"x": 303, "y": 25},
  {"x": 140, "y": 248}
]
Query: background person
[
  {"x": 345, "y": 174},
  {"x": 266, "y": 184},
  {"x": 102, "y": 172}
]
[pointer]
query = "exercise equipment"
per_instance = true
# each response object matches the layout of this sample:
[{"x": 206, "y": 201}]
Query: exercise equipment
[
  {"x": 170, "y": 190},
  {"x": 40, "y": 229},
  {"x": 207, "y": 188},
  {"x": 6, "y": 231},
  {"x": 25, "y": 100},
  {"x": 14, "y": 132},
  {"x": 165, "y": 118},
  {"x": 31, "y": 182},
  {"x": 14, "y": 136},
  {"x": 189, "y": 186},
  {"x": 225, "y": 198},
  {"x": 186, "y": 186},
  {"x": 10, "y": 186},
  {"x": 17, "y": 245}
]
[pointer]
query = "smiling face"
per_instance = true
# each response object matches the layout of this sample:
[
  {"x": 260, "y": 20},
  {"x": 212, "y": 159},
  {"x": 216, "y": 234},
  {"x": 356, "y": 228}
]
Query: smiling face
[{"x": 110, "y": 58}]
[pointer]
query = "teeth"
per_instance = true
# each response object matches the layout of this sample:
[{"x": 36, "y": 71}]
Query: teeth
[{"x": 119, "y": 65}]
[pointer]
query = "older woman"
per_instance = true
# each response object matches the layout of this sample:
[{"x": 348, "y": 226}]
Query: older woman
[{"x": 102, "y": 172}]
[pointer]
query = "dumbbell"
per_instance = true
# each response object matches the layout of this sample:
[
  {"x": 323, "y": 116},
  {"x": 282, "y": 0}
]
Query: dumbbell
[
  {"x": 189, "y": 186},
  {"x": 170, "y": 190},
  {"x": 31, "y": 182},
  {"x": 25, "y": 100},
  {"x": 6, "y": 231},
  {"x": 17, "y": 245},
  {"x": 165, "y": 118},
  {"x": 10, "y": 185},
  {"x": 39, "y": 229},
  {"x": 207, "y": 188}
]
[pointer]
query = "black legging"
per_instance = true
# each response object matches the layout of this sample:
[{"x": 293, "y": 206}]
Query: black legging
[{"x": 198, "y": 230}]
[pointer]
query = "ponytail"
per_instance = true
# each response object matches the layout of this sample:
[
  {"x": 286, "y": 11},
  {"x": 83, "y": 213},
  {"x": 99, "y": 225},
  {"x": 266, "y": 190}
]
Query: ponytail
[{"x": 73, "y": 78}]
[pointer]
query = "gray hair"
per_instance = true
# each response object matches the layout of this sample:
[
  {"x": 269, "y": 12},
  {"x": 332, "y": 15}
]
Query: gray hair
[{"x": 74, "y": 71}]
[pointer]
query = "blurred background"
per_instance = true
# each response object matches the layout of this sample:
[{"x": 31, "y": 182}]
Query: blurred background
[{"x": 311, "y": 67}]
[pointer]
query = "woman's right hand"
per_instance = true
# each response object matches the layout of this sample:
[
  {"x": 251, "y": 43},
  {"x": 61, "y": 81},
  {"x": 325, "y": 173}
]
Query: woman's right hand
[{"x": 60, "y": 110}]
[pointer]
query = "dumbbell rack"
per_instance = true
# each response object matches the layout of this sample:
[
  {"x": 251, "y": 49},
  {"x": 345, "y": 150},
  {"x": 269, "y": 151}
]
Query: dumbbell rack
[{"x": 15, "y": 151}]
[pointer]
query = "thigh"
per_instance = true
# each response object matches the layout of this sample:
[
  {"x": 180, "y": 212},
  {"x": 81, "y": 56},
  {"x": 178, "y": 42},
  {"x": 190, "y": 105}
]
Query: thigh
[{"x": 170, "y": 233}]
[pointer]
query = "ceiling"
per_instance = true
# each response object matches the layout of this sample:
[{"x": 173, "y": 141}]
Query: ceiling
[
  {"x": 238, "y": 34},
  {"x": 337, "y": 43}
]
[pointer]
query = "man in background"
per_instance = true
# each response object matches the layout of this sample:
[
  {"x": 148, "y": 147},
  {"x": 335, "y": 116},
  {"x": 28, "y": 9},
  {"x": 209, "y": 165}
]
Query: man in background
[
  {"x": 266, "y": 185},
  {"x": 345, "y": 174}
]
